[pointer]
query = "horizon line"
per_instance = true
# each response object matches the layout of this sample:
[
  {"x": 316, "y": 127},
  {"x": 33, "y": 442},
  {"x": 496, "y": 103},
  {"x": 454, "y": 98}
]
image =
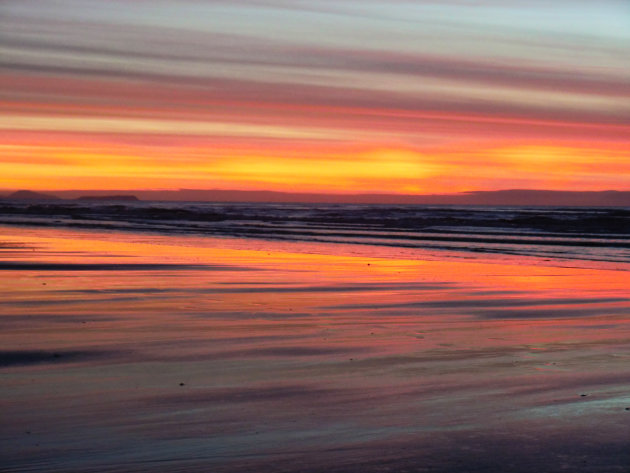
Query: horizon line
[{"x": 508, "y": 197}]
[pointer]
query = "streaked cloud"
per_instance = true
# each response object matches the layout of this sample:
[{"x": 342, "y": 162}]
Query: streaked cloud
[{"x": 261, "y": 93}]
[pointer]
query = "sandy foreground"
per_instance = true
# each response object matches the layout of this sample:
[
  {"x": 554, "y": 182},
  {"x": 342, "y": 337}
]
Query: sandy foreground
[{"x": 123, "y": 352}]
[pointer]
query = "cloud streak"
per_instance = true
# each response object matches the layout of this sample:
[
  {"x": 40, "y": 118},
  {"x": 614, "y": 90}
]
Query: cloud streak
[{"x": 404, "y": 76}]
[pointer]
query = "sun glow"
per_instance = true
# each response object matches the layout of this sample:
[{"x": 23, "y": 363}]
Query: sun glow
[{"x": 119, "y": 97}]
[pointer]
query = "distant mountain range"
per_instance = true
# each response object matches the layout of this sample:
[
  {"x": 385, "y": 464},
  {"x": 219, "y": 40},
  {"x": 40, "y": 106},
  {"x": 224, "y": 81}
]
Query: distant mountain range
[
  {"x": 31, "y": 195},
  {"x": 502, "y": 197}
]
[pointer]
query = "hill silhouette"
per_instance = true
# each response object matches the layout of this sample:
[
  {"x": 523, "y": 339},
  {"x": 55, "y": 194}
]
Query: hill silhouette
[
  {"x": 31, "y": 195},
  {"x": 515, "y": 197}
]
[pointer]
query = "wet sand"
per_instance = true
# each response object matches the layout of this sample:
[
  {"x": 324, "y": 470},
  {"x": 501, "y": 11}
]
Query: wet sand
[{"x": 123, "y": 352}]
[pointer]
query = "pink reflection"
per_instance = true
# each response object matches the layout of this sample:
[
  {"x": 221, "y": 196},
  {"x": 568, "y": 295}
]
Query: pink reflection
[{"x": 322, "y": 343}]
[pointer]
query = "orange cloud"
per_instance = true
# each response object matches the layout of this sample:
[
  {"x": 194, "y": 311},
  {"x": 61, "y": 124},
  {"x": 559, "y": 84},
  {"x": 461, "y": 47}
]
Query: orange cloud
[{"x": 64, "y": 160}]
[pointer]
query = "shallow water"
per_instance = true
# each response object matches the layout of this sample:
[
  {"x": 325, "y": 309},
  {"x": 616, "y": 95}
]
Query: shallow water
[
  {"x": 137, "y": 352},
  {"x": 570, "y": 233}
]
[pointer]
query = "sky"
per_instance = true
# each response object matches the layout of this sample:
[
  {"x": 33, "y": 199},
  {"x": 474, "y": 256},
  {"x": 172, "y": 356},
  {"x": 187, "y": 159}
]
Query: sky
[{"x": 343, "y": 96}]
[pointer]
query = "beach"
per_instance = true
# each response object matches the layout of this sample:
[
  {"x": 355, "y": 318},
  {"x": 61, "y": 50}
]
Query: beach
[{"x": 129, "y": 351}]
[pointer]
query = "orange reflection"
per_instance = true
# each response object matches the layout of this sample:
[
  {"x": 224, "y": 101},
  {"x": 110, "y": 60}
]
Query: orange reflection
[
  {"x": 219, "y": 285},
  {"x": 197, "y": 336}
]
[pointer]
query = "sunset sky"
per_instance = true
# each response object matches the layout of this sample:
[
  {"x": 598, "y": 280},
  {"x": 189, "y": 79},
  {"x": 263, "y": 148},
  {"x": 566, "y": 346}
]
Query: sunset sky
[{"x": 347, "y": 96}]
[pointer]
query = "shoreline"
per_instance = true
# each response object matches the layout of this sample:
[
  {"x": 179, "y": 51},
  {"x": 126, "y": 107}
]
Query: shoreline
[
  {"x": 215, "y": 356},
  {"x": 351, "y": 249}
]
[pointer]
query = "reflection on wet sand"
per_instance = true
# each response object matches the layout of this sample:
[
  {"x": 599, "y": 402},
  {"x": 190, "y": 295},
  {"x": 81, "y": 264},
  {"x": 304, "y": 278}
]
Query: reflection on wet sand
[{"x": 147, "y": 353}]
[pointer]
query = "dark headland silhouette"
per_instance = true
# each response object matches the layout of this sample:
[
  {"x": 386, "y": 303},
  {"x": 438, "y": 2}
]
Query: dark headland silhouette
[
  {"x": 516, "y": 197},
  {"x": 41, "y": 196},
  {"x": 31, "y": 195}
]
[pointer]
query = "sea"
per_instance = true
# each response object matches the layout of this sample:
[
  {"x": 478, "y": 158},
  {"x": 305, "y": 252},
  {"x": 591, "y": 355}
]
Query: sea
[
  {"x": 596, "y": 234},
  {"x": 313, "y": 338}
]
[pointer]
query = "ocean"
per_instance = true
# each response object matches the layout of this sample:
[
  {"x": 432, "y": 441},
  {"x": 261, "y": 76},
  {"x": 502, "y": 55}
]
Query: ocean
[
  {"x": 307, "y": 338},
  {"x": 566, "y": 233}
]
